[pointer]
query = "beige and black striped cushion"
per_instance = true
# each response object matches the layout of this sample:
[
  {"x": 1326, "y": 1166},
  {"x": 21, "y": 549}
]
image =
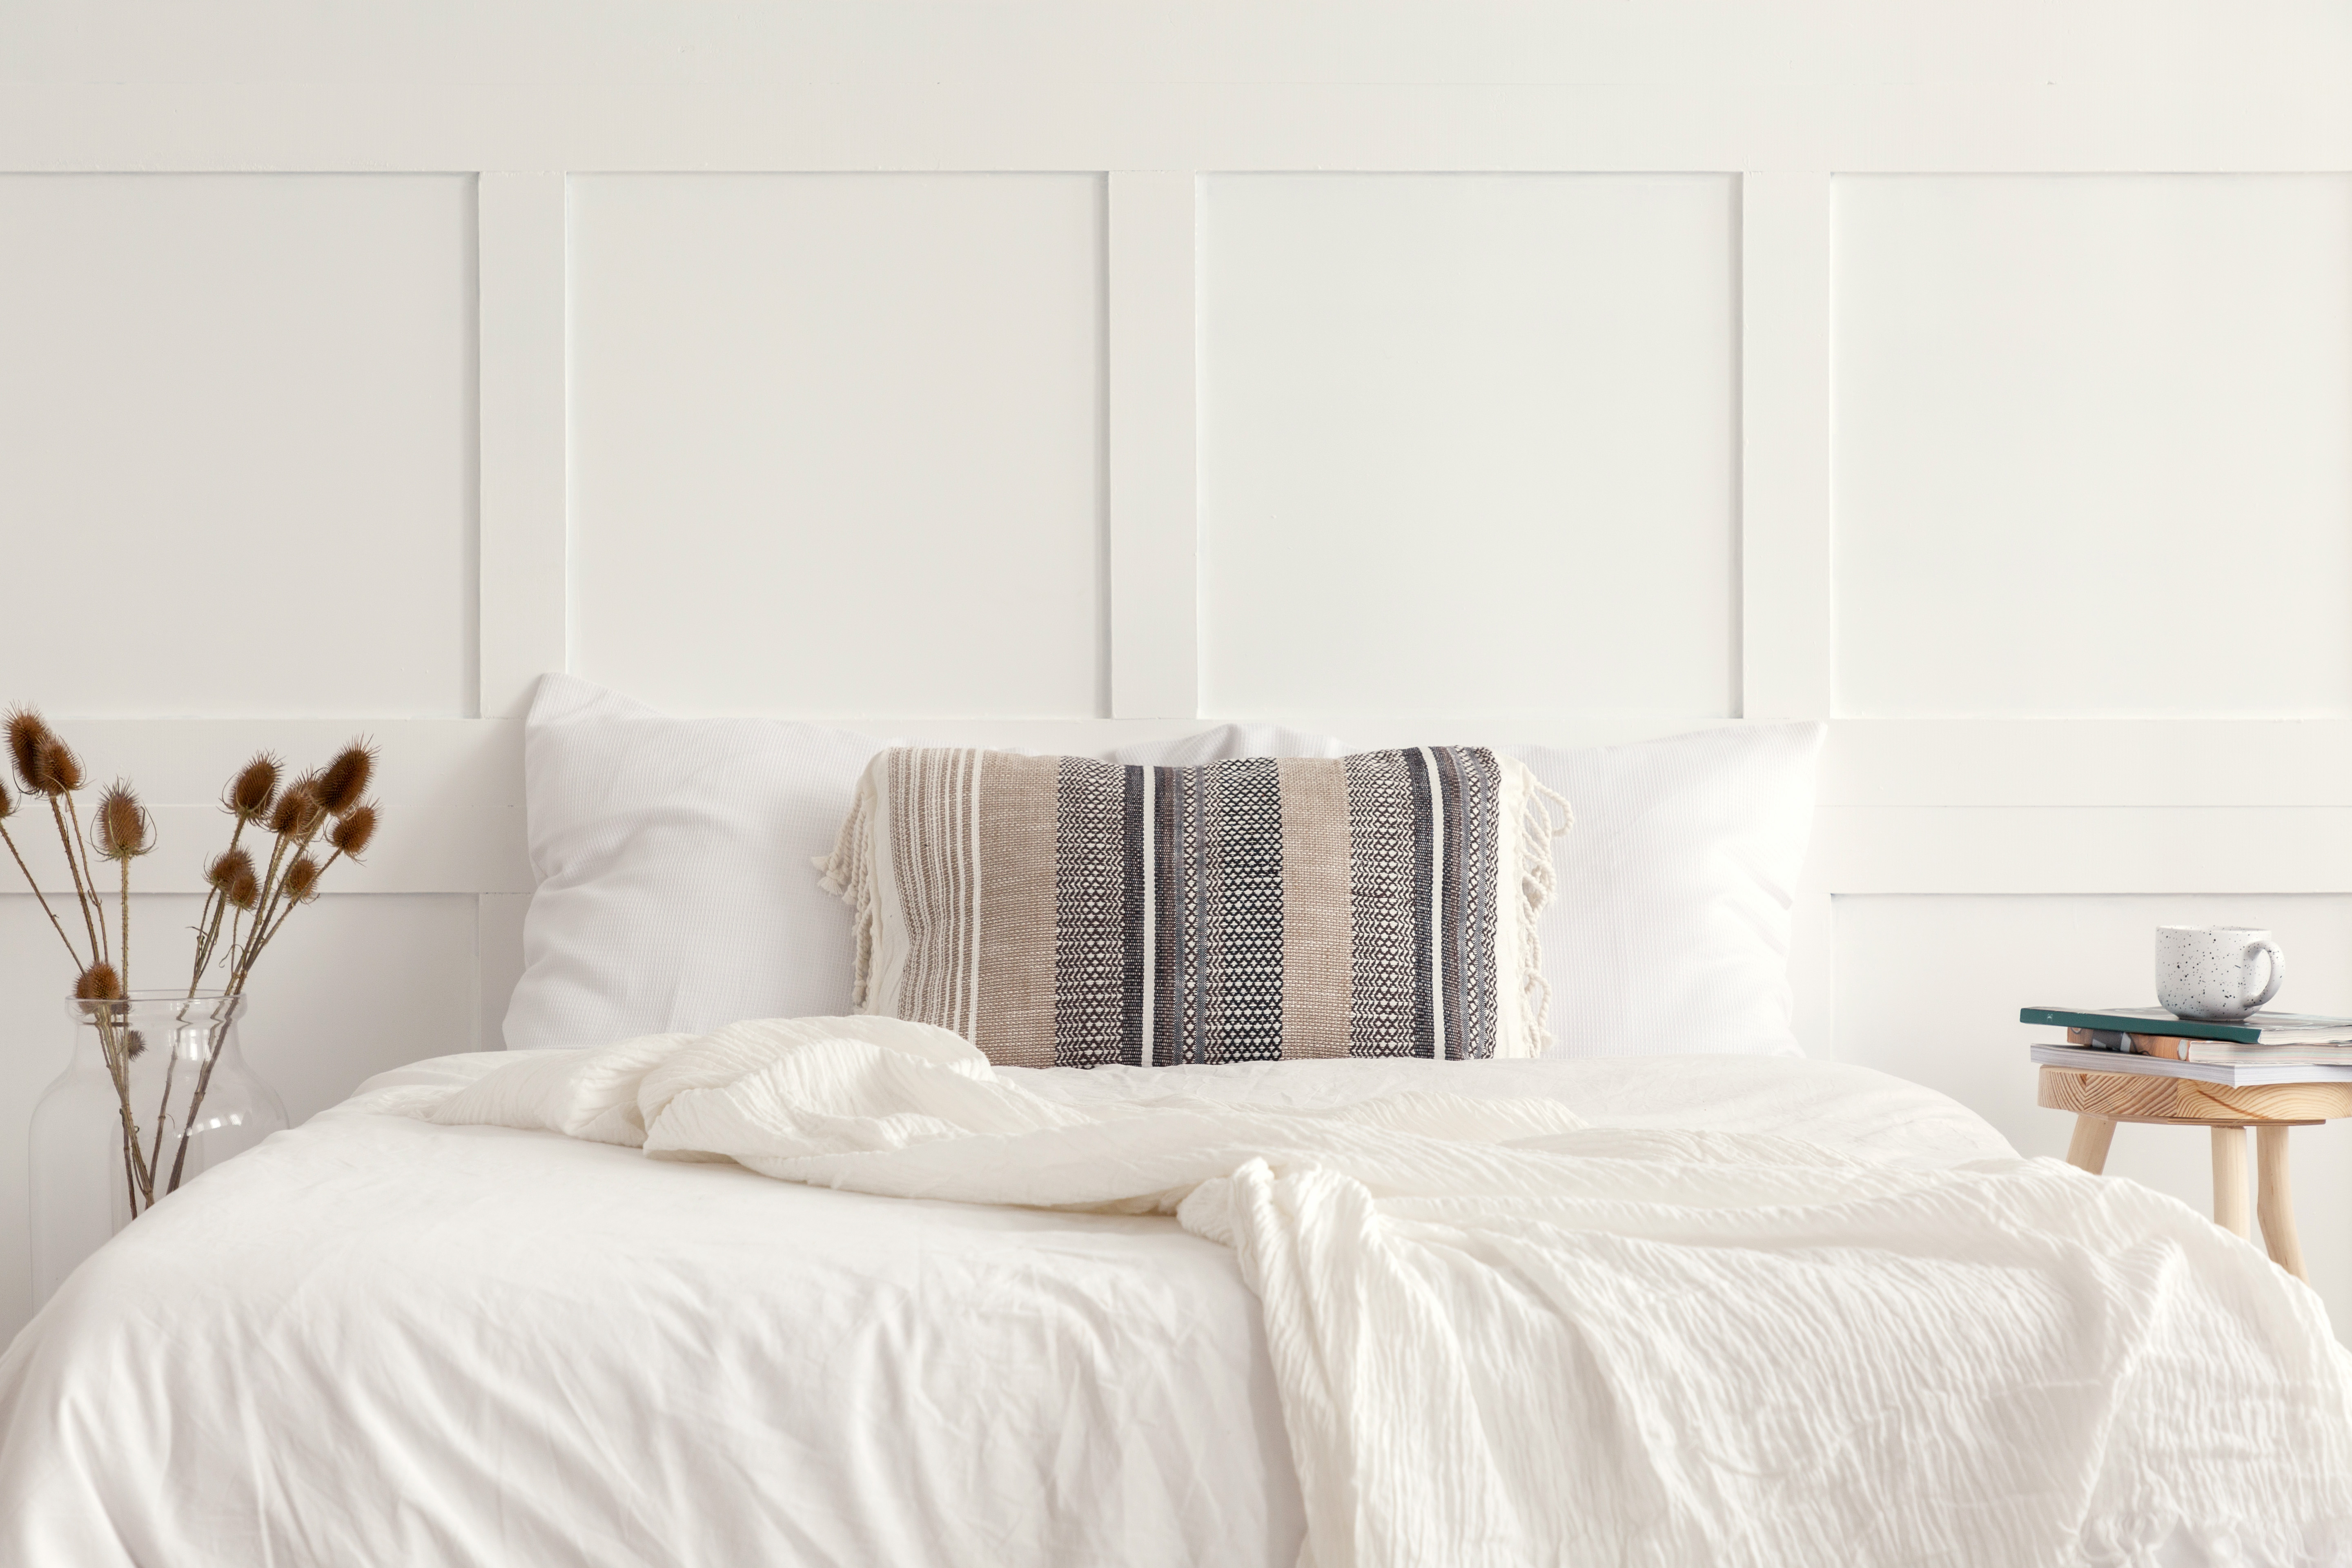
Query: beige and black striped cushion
[{"x": 1064, "y": 912}]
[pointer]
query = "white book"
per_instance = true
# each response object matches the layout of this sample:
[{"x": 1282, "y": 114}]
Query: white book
[{"x": 2203, "y": 1072}]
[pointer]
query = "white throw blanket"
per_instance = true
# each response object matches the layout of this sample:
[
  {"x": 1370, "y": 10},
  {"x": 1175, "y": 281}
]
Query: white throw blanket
[{"x": 1504, "y": 1337}]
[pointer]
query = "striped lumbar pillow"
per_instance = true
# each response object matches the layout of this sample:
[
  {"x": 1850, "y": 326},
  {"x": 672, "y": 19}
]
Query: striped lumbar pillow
[{"x": 1060, "y": 911}]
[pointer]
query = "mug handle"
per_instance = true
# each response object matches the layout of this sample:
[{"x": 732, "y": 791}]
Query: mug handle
[{"x": 2277, "y": 968}]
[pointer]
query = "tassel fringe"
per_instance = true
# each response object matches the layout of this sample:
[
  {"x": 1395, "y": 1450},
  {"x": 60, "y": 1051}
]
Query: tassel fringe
[
  {"x": 848, "y": 875},
  {"x": 1539, "y": 881}
]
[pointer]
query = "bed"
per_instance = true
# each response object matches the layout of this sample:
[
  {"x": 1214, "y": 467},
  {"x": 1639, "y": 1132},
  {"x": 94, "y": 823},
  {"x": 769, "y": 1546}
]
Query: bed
[
  {"x": 376, "y": 1340},
  {"x": 703, "y": 1272}
]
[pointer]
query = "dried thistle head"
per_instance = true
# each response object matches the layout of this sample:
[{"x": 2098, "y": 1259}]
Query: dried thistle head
[
  {"x": 99, "y": 983},
  {"x": 44, "y": 765},
  {"x": 343, "y": 783},
  {"x": 251, "y": 793},
  {"x": 121, "y": 829},
  {"x": 301, "y": 879},
  {"x": 59, "y": 770},
  {"x": 244, "y": 889},
  {"x": 28, "y": 732},
  {"x": 226, "y": 868},
  {"x": 353, "y": 832},
  {"x": 298, "y": 812}
]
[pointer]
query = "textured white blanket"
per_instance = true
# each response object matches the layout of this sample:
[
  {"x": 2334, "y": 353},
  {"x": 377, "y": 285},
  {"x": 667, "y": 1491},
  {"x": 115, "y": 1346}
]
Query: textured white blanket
[{"x": 1503, "y": 1337}]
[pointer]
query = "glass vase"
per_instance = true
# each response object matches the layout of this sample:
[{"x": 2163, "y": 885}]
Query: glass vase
[{"x": 191, "y": 1099}]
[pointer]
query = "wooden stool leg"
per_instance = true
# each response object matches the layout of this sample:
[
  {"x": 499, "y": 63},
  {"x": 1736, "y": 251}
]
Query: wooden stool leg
[
  {"x": 2087, "y": 1150},
  {"x": 2230, "y": 1180},
  {"x": 2275, "y": 1201}
]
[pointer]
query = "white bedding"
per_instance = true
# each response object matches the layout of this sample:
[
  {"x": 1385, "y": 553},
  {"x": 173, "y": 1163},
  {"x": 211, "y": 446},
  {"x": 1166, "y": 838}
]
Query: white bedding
[{"x": 378, "y": 1340}]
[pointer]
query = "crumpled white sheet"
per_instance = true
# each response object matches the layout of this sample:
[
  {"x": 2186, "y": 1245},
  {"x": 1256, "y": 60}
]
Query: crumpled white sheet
[{"x": 1504, "y": 1337}]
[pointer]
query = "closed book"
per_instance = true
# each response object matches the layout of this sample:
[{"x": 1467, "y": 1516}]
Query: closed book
[
  {"x": 2258, "y": 1029},
  {"x": 2176, "y": 1048},
  {"x": 2230, "y": 1072}
]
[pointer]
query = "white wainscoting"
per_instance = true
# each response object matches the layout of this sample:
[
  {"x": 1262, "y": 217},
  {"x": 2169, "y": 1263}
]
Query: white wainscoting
[
  {"x": 2094, "y": 445},
  {"x": 1977, "y": 377},
  {"x": 236, "y": 443},
  {"x": 837, "y": 441},
  {"x": 1468, "y": 443}
]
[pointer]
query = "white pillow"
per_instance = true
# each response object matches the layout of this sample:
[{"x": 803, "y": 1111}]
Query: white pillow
[
  {"x": 676, "y": 891},
  {"x": 673, "y": 862},
  {"x": 1670, "y": 931},
  {"x": 674, "y": 856}
]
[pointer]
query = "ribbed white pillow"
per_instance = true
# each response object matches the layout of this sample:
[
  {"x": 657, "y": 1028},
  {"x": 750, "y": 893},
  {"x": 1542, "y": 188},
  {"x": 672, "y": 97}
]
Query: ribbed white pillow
[
  {"x": 676, "y": 888},
  {"x": 1670, "y": 932}
]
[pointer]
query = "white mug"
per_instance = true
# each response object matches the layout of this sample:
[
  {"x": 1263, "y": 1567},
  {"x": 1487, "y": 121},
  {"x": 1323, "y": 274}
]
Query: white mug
[{"x": 2208, "y": 973}]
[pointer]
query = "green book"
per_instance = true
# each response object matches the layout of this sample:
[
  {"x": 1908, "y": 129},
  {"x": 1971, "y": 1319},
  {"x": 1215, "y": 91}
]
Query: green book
[{"x": 2257, "y": 1029}]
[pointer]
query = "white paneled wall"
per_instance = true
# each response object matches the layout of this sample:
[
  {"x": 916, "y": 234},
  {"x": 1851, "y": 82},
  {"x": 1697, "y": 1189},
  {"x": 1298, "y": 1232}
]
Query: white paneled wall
[
  {"x": 2094, "y": 431},
  {"x": 1466, "y": 444},
  {"x": 834, "y": 434},
  {"x": 1978, "y": 377},
  {"x": 253, "y": 397}
]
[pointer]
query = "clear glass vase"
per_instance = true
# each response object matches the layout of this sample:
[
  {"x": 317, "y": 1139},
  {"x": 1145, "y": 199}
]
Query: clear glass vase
[{"x": 191, "y": 1100}]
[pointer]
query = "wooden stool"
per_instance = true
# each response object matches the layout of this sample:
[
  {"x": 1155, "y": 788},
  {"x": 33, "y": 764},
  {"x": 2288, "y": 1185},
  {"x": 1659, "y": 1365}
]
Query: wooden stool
[{"x": 2100, "y": 1100}]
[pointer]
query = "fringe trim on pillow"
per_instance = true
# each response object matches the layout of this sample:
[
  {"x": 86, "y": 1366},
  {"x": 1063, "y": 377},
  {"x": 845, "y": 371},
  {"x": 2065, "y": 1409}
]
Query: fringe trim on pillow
[
  {"x": 1539, "y": 881},
  {"x": 848, "y": 875}
]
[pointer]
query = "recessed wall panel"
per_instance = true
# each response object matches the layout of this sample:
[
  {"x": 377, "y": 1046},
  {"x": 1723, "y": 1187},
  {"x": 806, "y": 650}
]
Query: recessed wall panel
[
  {"x": 1467, "y": 444},
  {"x": 236, "y": 444},
  {"x": 2094, "y": 446},
  {"x": 836, "y": 441}
]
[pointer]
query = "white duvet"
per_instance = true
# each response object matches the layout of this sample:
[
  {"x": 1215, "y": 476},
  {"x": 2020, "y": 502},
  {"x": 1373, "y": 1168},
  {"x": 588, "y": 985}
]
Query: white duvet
[{"x": 1507, "y": 1312}]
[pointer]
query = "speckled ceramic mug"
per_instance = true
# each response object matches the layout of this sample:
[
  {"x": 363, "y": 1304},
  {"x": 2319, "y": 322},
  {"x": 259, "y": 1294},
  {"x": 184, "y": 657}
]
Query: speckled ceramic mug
[{"x": 2208, "y": 973}]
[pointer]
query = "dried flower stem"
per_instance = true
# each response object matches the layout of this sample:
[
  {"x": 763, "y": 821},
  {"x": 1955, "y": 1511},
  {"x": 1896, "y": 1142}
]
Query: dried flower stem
[
  {"x": 261, "y": 909},
  {"x": 19, "y": 857},
  {"x": 77, "y": 844},
  {"x": 263, "y": 938},
  {"x": 215, "y": 906},
  {"x": 138, "y": 1172},
  {"x": 73, "y": 869},
  {"x": 162, "y": 1112}
]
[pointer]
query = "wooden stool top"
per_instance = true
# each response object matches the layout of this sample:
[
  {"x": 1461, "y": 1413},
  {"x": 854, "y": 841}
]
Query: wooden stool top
[{"x": 2192, "y": 1102}]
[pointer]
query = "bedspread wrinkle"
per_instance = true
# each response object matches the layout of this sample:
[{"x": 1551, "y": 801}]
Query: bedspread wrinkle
[{"x": 1502, "y": 1336}]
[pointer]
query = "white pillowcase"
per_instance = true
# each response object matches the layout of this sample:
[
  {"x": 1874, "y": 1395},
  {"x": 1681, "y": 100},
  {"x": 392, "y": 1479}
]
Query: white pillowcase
[
  {"x": 1670, "y": 931},
  {"x": 676, "y": 890}
]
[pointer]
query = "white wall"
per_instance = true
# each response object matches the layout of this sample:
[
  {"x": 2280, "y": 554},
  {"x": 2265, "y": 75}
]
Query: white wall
[{"x": 1977, "y": 377}]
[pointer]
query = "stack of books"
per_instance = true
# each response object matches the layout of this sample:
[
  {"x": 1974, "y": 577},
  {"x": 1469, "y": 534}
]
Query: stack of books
[{"x": 2267, "y": 1047}]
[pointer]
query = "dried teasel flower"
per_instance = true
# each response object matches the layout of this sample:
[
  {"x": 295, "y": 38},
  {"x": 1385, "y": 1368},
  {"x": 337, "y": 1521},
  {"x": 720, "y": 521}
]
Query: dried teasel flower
[
  {"x": 244, "y": 889},
  {"x": 120, "y": 829},
  {"x": 343, "y": 783},
  {"x": 56, "y": 770},
  {"x": 7, "y": 801},
  {"x": 28, "y": 732},
  {"x": 250, "y": 795},
  {"x": 301, "y": 879},
  {"x": 99, "y": 983},
  {"x": 298, "y": 812},
  {"x": 222, "y": 873},
  {"x": 351, "y": 834}
]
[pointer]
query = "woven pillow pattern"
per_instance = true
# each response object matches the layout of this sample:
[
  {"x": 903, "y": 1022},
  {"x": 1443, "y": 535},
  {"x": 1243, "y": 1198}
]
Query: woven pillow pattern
[{"x": 1062, "y": 911}]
